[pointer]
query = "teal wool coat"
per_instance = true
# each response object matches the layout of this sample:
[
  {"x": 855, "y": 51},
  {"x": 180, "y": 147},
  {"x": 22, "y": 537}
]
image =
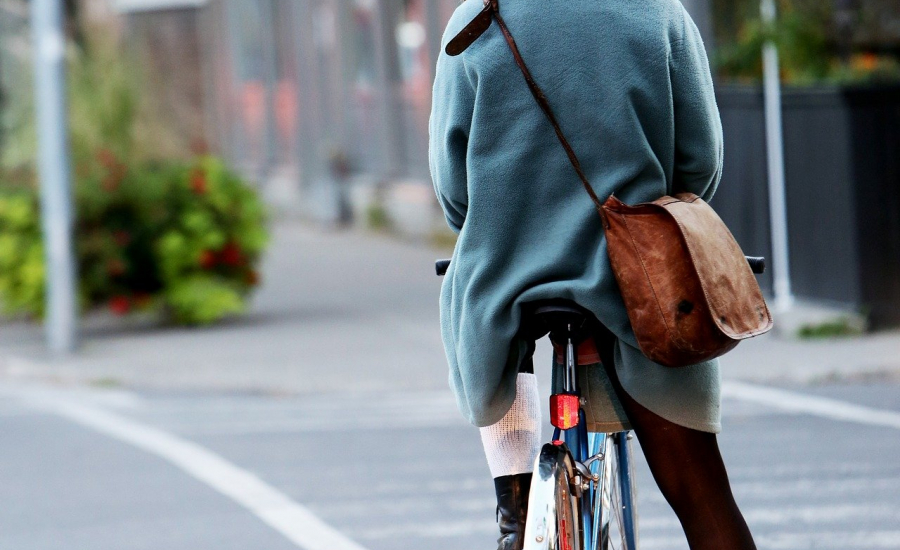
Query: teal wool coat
[{"x": 631, "y": 88}]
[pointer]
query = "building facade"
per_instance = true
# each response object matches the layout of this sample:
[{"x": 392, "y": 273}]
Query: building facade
[{"x": 304, "y": 96}]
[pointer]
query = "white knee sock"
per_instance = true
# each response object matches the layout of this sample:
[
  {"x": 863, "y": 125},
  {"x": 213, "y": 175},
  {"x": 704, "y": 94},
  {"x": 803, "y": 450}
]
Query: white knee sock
[{"x": 513, "y": 443}]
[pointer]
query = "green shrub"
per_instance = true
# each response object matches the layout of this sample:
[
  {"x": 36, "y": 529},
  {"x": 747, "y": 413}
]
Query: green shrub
[
  {"x": 21, "y": 254},
  {"x": 154, "y": 227},
  {"x": 183, "y": 237},
  {"x": 808, "y": 53},
  {"x": 201, "y": 300},
  {"x": 830, "y": 329},
  {"x": 377, "y": 217}
]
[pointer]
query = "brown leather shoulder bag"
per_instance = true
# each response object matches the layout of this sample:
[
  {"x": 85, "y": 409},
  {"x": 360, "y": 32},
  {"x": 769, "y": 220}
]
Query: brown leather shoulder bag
[{"x": 691, "y": 296}]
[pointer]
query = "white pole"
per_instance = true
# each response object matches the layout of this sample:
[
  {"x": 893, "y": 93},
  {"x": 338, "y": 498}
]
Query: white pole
[
  {"x": 53, "y": 168},
  {"x": 781, "y": 271}
]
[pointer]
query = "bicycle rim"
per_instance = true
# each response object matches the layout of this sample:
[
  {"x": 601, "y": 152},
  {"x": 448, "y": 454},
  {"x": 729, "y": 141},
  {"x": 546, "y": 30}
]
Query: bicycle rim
[{"x": 613, "y": 502}]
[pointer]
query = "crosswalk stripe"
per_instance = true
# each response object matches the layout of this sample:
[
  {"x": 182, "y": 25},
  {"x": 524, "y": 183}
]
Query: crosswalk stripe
[
  {"x": 821, "y": 514},
  {"x": 756, "y": 486},
  {"x": 361, "y": 422},
  {"x": 859, "y": 540},
  {"x": 438, "y": 529},
  {"x": 438, "y": 409},
  {"x": 813, "y": 487}
]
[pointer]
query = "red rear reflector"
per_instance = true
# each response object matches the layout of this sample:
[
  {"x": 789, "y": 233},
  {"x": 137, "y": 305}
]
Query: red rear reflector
[{"x": 564, "y": 410}]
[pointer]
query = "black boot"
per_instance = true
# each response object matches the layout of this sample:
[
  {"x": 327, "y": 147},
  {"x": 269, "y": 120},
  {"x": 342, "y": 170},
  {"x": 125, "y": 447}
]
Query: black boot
[{"x": 512, "y": 505}]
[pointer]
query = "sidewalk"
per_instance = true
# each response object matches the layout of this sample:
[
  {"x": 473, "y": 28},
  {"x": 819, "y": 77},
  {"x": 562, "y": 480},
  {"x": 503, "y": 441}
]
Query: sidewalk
[{"x": 346, "y": 311}]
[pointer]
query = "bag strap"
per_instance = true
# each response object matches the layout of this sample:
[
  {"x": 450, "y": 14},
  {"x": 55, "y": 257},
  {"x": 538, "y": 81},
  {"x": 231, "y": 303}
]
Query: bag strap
[{"x": 545, "y": 105}]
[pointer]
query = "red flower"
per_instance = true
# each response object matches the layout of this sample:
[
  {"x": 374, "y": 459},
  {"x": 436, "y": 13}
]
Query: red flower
[
  {"x": 208, "y": 259},
  {"x": 116, "y": 267},
  {"x": 115, "y": 169},
  {"x": 231, "y": 255},
  {"x": 120, "y": 305},
  {"x": 869, "y": 61},
  {"x": 111, "y": 182},
  {"x": 107, "y": 158},
  {"x": 198, "y": 182},
  {"x": 121, "y": 237}
]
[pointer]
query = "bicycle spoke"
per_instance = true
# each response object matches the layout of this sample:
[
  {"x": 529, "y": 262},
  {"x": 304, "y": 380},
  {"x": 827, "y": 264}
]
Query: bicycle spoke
[
  {"x": 610, "y": 505},
  {"x": 617, "y": 507}
]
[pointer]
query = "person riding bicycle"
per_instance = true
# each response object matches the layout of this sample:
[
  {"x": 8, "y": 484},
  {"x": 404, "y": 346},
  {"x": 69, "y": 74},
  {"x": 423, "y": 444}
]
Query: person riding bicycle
[{"x": 631, "y": 86}]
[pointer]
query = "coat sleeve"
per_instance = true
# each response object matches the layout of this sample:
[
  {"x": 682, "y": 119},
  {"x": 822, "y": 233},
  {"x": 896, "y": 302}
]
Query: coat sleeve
[
  {"x": 453, "y": 101},
  {"x": 698, "y": 128}
]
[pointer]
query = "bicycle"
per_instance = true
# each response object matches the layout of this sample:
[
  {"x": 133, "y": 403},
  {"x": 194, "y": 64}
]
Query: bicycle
[{"x": 583, "y": 494}]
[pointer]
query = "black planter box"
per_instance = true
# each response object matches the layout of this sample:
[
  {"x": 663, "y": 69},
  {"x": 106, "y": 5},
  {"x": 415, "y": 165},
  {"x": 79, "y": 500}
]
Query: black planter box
[{"x": 842, "y": 168}]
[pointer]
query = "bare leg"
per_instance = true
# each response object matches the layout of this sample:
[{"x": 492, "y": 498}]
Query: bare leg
[{"x": 689, "y": 470}]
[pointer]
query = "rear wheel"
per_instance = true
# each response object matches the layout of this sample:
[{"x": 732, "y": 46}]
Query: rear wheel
[
  {"x": 613, "y": 500},
  {"x": 556, "y": 501}
]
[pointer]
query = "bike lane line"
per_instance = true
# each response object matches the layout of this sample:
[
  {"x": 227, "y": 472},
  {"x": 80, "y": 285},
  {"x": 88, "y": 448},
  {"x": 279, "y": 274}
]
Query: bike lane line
[
  {"x": 824, "y": 407},
  {"x": 292, "y": 520}
]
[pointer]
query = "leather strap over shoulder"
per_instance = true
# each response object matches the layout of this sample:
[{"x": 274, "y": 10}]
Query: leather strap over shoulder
[
  {"x": 476, "y": 28},
  {"x": 470, "y": 33}
]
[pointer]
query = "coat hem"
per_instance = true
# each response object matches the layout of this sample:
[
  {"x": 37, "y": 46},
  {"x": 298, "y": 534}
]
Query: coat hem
[{"x": 708, "y": 427}]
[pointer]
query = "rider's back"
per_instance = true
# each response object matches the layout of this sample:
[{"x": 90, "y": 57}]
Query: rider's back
[{"x": 632, "y": 92}]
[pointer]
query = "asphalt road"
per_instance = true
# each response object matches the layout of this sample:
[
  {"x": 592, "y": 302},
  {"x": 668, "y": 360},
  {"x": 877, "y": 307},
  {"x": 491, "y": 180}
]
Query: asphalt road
[
  {"x": 322, "y": 421},
  {"x": 390, "y": 471}
]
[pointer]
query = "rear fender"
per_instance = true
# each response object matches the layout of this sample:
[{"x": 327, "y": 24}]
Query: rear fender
[{"x": 548, "y": 514}]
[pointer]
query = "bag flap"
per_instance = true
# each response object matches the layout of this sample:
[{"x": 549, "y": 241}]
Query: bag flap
[{"x": 729, "y": 285}]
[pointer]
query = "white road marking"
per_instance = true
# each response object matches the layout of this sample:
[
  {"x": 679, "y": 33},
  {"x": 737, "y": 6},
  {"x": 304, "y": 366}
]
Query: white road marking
[
  {"x": 307, "y": 531},
  {"x": 768, "y": 490},
  {"x": 792, "y": 470},
  {"x": 661, "y": 530},
  {"x": 274, "y": 508},
  {"x": 832, "y": 539},
  {"x": 438, "y": 529},
  {"x": 669, "y": 532},
  {"x": 860, "y": 540},
  {"x": 832, "y": 514},
  {"x": 438, "y": 410},
  {"x": 312, "y": 424},
  {"x": 807, "y": 404}
]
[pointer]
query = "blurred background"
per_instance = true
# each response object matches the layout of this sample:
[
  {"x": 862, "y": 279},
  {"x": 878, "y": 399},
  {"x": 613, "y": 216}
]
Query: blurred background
[{"x": 257, "y": 358}]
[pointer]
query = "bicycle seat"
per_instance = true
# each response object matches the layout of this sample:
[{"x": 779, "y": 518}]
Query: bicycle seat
[{"x": 561, "y": 318}]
